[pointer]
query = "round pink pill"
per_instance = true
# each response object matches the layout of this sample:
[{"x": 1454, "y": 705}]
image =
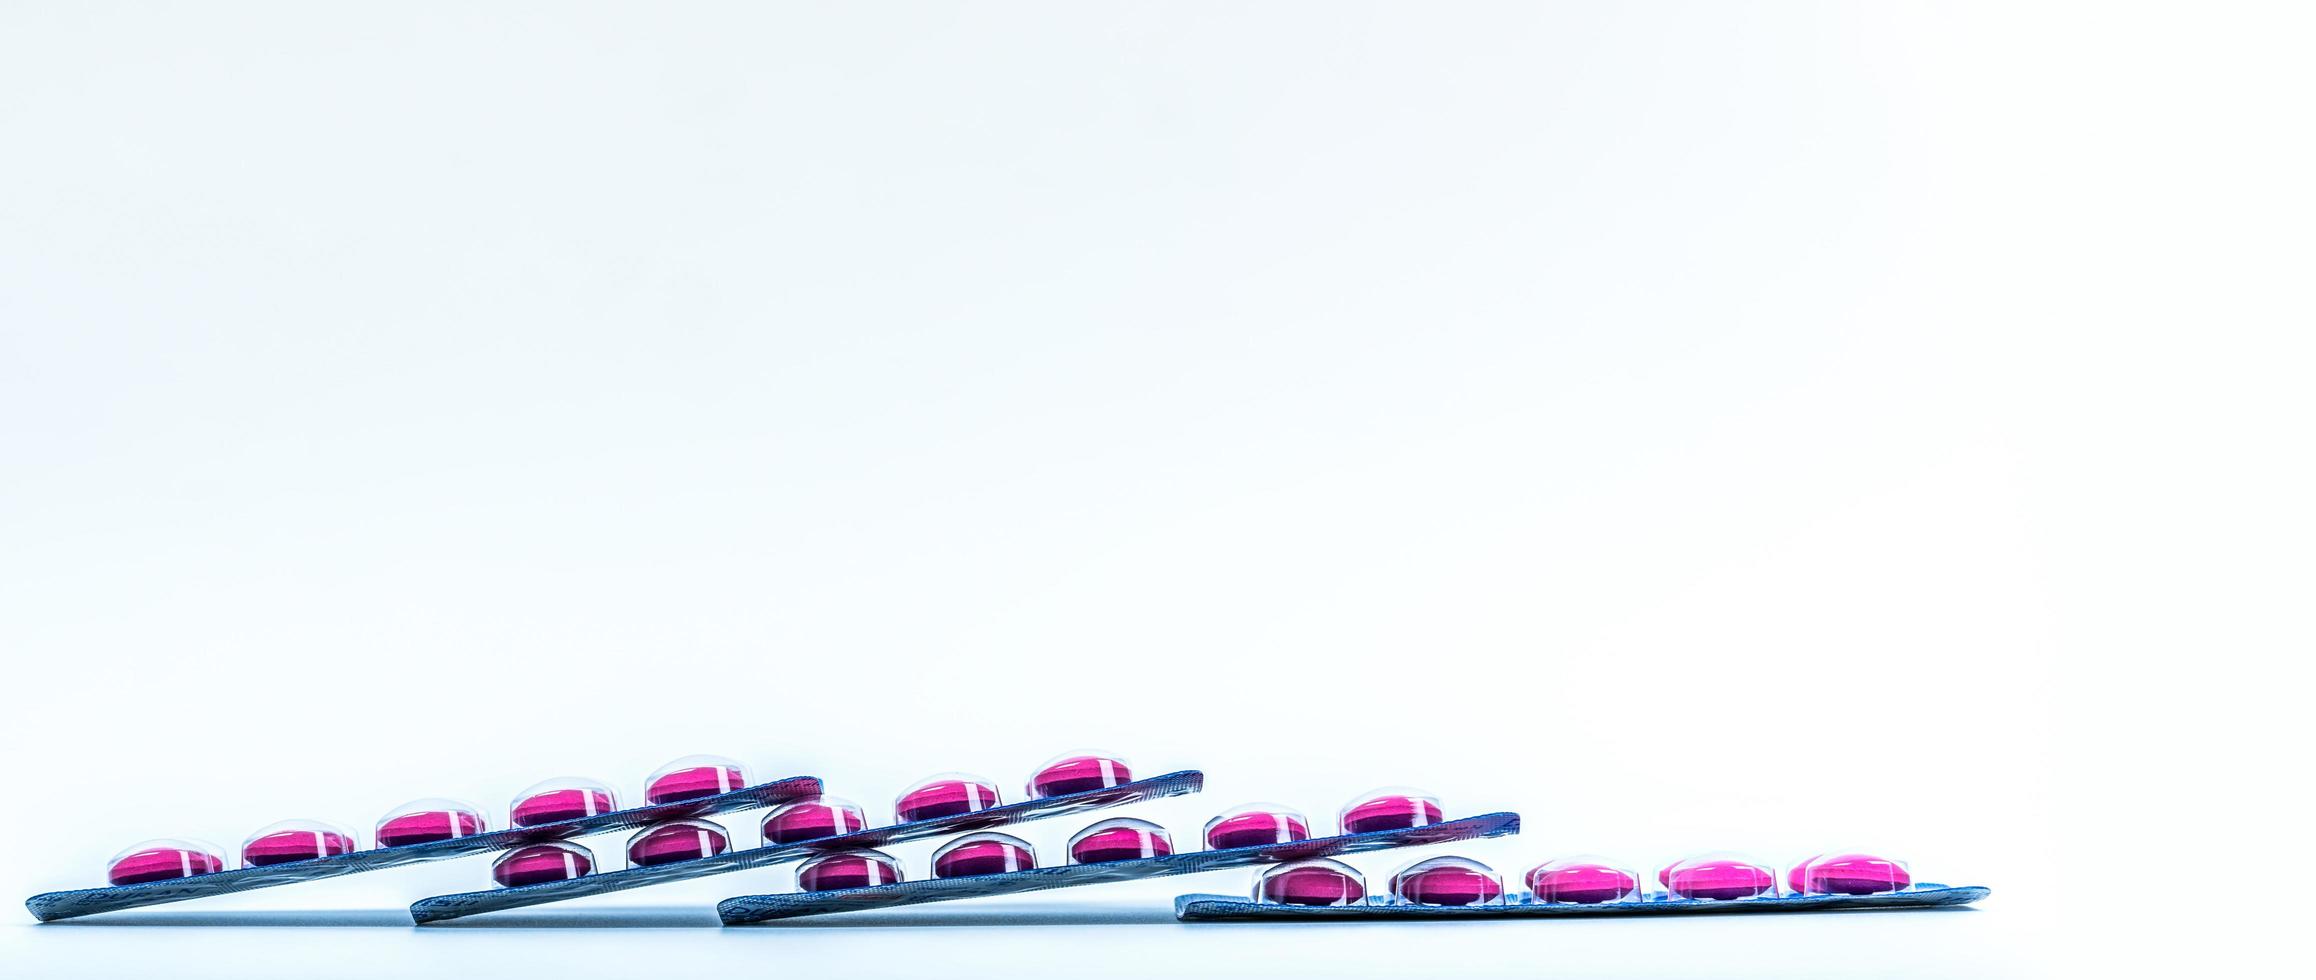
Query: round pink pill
[
  {"x": 813, "y": 819},
  {"x": 1314, "y": 882},
  {"x": 426, "y": 821},
  {"x": 1390, "y": 809},
  {"x": 848, "y": 869},
  {"x": 558, "y": 800},
  {"x": 1446, "y": 881},
  {"x": 1852, "y": 874},
  {"x": 1718, "y": 879},
  {"x": 294, "y": 840},
  {"x": 541, "y": 863},
  {"x": 945, "y": 795},
  {"x": 983, "y": 854},
  {"x": 1580, "y": 882},
  {"x": 1120, "y": 839},
  {"x": 163, "y": 859},
  {"x": 676, "y": 840},
  {"x": 1256, "y": 824},
  {"x": 694, "y": 777},
  {"x": 1078, "y": 773}
]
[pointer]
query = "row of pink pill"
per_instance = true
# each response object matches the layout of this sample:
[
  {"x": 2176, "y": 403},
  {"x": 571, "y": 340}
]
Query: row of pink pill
[
  {"x": 1119, "y": 839},
  {"x": 572, "y": 798},
  {"x": 1459, "y": 881}
]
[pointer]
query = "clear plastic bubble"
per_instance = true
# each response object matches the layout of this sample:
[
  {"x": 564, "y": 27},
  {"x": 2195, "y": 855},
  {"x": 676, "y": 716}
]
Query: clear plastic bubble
[
  {"x": 945, "y": 795},
  {"x": 1078, "y": 772},
  {"x": 1389, "y": 808},
  {"x": 1256, "y": 824},
  {"x": 535, "y": 864},
  {"x": 1582, "y": 880},
  {"x": 295, "y": 840},
  {"x": 1314, "y": 882},
  {"x": 676, "y": 840},
  {"x": 1120, "y": 839},
  {"x": 1448, "y": 880},
  {"x": 1719, "y": 876},
  {"x": 560, "y": 799},
  {"x": 812, "y": 819},
  {"x": 860, "y": 868},
  {"x": 1849, "y": 873},
  {"x": 694, "y": 777},
  {"x": 983, "y": 854},
  {"x": 428, "y": 820},
  {"x": 162, "y": 859}
]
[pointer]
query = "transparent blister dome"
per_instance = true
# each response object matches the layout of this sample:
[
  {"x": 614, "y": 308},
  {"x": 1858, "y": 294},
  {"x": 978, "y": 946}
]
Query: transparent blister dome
[
  {"x": 694, "y": 777},
  {"x": 1582, "y": 879},
  {"x": 983, "y": 854},
  {"x": 1078, "y": 772},
  {"x": 945, "y": 795},
  {"x": 812, "y": 819},
  {"x": 861, "y": 868},
  {"x": 295, "y": 840},
  {"x": 1389, "y": 808},
  {"x": 1120, "y": 839},
  {"x": 1318, "y": 881},
  {"x": 1256, "y": 823},
  {"x": 1447, "y": 880},
  {"x": 428, "y": 820},
  {"x": 560, "y": 799},
  {"x": 676, "y": 840},
  {"x": 535, "y": 864},
  {"x": 1849, "y": 872},
  {"x": 163, "y": 859},
  {"x": 1720, "y": 877}
]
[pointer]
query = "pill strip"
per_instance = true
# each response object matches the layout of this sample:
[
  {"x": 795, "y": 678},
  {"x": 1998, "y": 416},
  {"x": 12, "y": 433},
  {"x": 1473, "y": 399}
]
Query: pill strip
[
  {"x": 760, "y": 908},
  {"x": 52, "y": 906},
  {"x": 1214, "y": 908},
  {"x": 444, "y": 907}
]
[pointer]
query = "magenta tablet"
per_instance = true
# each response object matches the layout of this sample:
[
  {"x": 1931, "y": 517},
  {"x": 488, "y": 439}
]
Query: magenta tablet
[
  {"x": 1315, "y": 882},
  {"x": 676, "y": 840},
  {"x": 694, "y": 777},
  {"x": 1446, "y": 881},
  {"x": 163, "y": 859},
  {"x": 428, "y": 820},
  {"x": 294, "y": 840},
  {"x": 813, "y": 819},
  {"x": 848, "y": 869},
  {"x": 1851, "y": 874},
  {"x": 540, "y": 863},
  {"x": 1719, "y": 879},
  {"x": 1120, "y": 839},
  {"x": 1255, "y": 824},
  {"x": 557, "y": 800},
  {"x": 1077, "y": 773},
  {"x": 983, "y": 854},
  {"x": 1390, "y": 809},
  {"x": 1580, "y": 881},
  {"x": 945, "y": 795}
]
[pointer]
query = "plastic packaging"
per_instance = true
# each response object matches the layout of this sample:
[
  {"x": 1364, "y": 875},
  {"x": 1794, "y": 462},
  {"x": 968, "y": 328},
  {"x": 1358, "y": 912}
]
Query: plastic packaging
[
  {"x": 163, "y": 859},
  {"x": 428, "y": 820},
  {"x": 1447, "y": 880},
  {"x": 1582, "y": 880},
  {"x": 1120, "y": 839},
  {"x": 539, "y": 863},
  {"x": 813, "y": 819},
  {"x": 1389, "y": 808},
  {"x": 1314, "y": 882},
  {"x": 1253, "y": 824},
  {"x": 1078, "y": 772},
  {"x": 694, "y": 777},
  {"x": 983, "y": 854},
  {"x": 560, "y": 799},
  {"x": 295, "y": 840},
  {"x": 945, "y": 795},
  {"x": 859, "y": 868},
  {"x": 676, "y": 840}
]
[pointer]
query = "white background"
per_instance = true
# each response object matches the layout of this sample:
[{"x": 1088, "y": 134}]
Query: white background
[{"x": 1770, "y": 427}]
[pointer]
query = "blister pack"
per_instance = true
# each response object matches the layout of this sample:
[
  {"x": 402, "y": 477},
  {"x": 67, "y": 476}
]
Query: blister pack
[
  {"x": 815, "y": 829},
  {"x": 1453, "y": 887},
  {"x": 175, "y": 870},
  {"x": 1109, "y": 851}
]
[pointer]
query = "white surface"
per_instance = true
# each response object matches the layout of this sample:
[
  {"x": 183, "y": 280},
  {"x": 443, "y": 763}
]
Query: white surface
[{"x": 1737, "y": 399}]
